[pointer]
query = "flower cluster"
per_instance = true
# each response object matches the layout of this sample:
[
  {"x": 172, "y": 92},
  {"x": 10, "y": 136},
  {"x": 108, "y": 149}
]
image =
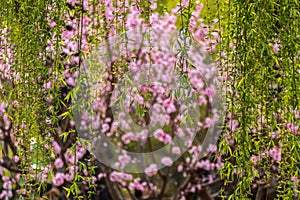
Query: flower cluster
[{"x": 74, "y": 32}]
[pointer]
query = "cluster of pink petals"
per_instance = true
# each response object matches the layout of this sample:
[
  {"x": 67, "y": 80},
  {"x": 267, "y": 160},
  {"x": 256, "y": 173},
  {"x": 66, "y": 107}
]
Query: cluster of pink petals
[
  {"x": 166, "y": 22},
  {"x": 167, "y": 161},
  {"x": 162, "y": 136},
  {"x": 7, "y": 187},
  {"x": 293, "y": 128},
  {"x": 138, "y": 185},
  {"x": 151, "y": 170},
  {"x": 276, "y": 47},
  {"x": 58, "y": 163},
  {"x": 56, "y": 147},
  {"x": 133, "y": 18},
  {"x": 59, "y": 179},
  {"x": 274, "y": 153},
  {"x": 2, "y": 108},
  {"x": 120, "y": 177},
  {"x": 124, "y": 160}
]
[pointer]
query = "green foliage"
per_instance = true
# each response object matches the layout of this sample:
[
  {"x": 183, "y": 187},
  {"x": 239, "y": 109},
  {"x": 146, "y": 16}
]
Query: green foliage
[{"x": 258, "y": 70}]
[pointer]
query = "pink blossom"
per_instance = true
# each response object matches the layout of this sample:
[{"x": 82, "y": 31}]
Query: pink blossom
[
  {"x": 167, "y": 102},
  {"x": 136, "y": 185},
  {"x": 66, "y": 35},
  {"x": 73, "y": 45},
  {"x": 171, "y": 109},
  {"x": 115, "y": 176},
  {"x": 70, "y": 81},
  {"x": 202, "y": 100},
  {"x": 124, "y": 160},
  {"x": 69, "y": 177},
  {"x": 1, "y": 170},
  {"x": 199, "y": 7},
  {"x": 58, "y": 163},
  {"x": 85, "y": 48},
  {"x": 199, "y": 34},
  {"x": 72, "y": 2},
  {"x": 133, "y": 20},
  {"x": 254, "y": 159},
  {"x": 66, "y": 50},
  {"x": 212, "y": 148},
  {"x": 126, "y": 138},
  {"x": 193, "y": 190},
  {"x": 48, "y": 85},
  {"x": 176, "y": 150},
  {"x": 195, "y": 79},
  {"x": 58, "y": 180},
  {"x": 119, "y": 176},
  {"x": 294, "y": 178},
  {"x": 233, "y": 125},
  {"x": 167, "y": 161},
  {"x": 126, "y": 177},
  {"x": 204, "y": 164},
  {"x": 276, "y": 48},
  {"x": 7, "y": 185},
  {"x": 292, "y": 127},
  {"x": 105, "y": 128},
  {"x": 139, "y": 99},
  {"x": 52, "y": 24},
  {"x": 275, "y": 153},
  {"x": 151, "y": 170},
  {"x": 70, "y": 158},
  {"x": 73, "y": 170},
  {"x": 56, "y": 147},
  {"x": 10, "y": 194},
  {"x": 44, "y": 176},
  {"x": 101, "y": 175},
  {"x": 80, "y": 151},
  {"x": 180, "y": 168},
  {"x": 3, "y": 194},
  {"x": 163, "y": 137},
  {"x": 7, "y": 122},
  {"x": 16, "y": 159},
  {"x": 210, "y": 92},
  {"x": 219, "y": 165},
  {"x": 75, "y": 60},
  {"x": 2, "y": 108},
  {"x": 208, "y": 122},
  {"x": 18, "y": 176},
  {"x": 153, "y": 6}
]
